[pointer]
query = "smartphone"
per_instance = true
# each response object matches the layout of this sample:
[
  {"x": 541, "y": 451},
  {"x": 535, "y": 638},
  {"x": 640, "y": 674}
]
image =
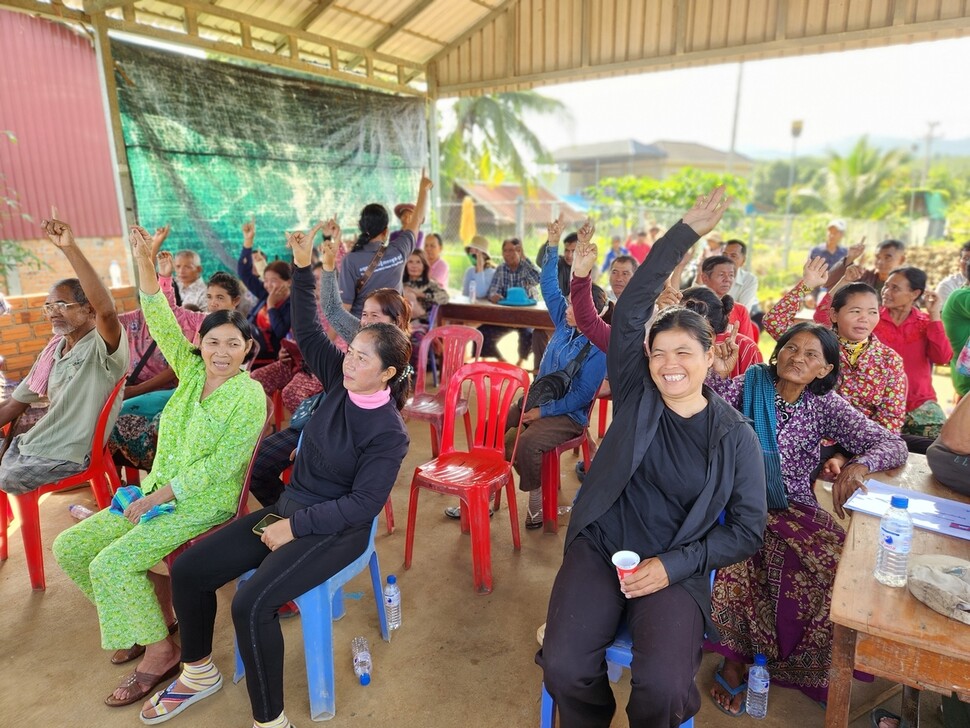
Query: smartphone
[{"x": 267, "y": 520}]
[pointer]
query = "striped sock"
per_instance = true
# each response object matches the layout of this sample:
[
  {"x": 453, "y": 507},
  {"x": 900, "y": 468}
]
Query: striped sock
[
  {"x": 535, "y": 501},
  {"x": 200, "y": 677},
  {"x": 280, "y": 722}
]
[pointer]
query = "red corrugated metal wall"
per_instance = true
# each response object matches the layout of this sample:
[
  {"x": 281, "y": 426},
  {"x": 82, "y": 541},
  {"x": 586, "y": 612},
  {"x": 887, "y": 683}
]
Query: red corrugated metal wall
[{"x": 50, "y": 99}]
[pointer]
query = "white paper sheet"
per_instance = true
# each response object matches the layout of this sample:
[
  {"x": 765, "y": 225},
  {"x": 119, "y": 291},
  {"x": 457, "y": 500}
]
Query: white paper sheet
[{"x": 928, "y": 512}]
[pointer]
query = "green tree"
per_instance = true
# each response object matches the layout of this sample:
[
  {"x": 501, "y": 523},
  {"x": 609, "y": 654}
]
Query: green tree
[
  {"x": 620, "y": 199},
  {"x": 770, "y": 180},
  {"x": 491, "y": 140},
  {"x": 12, "y": 253},
  {"x": 864, "y": 184}
]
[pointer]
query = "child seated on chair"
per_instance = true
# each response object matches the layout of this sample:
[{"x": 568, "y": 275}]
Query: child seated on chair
[
  {"x": 77, "y": 370},
  {"x": 350, "y": 452},
  {"x": 207, "y": 433}
]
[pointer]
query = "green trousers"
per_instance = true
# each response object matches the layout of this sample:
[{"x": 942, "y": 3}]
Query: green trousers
[{"x": 108, "y": 557}]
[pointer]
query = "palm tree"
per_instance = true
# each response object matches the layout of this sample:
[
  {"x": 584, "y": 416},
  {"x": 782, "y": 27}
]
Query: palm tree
[
  {"x": 491, "y": 140},
  {"x": 861, "y": 184}
]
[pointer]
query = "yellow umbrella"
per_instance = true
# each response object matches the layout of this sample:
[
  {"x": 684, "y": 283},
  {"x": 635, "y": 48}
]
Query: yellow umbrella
[{"x": 466, "y": 228}]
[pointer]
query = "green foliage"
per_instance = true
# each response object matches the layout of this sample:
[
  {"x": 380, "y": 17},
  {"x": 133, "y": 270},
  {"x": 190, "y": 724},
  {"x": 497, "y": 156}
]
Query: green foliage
[
  {"x": 958, "y": 217},
  {"x": 770, "y": 180},
  {"x": 491, "y": 140},
  {"x": 12, "y": 254},
  {"x": 618, "y": 200}
]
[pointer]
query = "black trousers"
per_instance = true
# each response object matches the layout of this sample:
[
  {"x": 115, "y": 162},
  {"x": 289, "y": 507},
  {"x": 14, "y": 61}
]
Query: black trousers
[
  {"x": 585, "y": 610},
  {"x": 280, "y": 577},
  {"x": 272, "y": 459}
]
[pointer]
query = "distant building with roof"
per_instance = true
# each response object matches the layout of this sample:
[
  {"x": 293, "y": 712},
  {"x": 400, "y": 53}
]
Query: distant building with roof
[
  {"x": 584, "y": 165},
  {"x": 498, "y": 207}
]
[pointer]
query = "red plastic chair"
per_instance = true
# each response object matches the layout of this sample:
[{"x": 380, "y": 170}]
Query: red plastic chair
[
  {"x": 102, "y": 475},
  {"x": 604, "y": 399},
  {"x": 476, "y": 475},
  {"x": 278, "y": 409},
  {"x": 429, "y": 407},
  {"x": 243, "y": 508},
  {"x": 551, "y": 479}
]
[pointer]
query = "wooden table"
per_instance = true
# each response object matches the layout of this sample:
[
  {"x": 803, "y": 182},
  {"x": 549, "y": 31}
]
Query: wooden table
[
  {"x": 887, "y": 632},
  {"x": 460, "y": 310}
]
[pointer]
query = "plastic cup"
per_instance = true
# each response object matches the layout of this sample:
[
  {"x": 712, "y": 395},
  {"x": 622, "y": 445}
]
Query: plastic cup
[{"x": 626, "y": 563}]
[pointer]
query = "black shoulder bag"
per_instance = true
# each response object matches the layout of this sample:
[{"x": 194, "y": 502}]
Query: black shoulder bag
[{"x": 555, "y": 385}]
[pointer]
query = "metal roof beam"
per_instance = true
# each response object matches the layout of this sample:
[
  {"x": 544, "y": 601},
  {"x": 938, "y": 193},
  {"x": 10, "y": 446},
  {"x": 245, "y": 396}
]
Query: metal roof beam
[
  {"x": 399, "y": 22},
  {"x": 308, "y": 19},
  {"x": 498, "y": 10},
  {"x": 92, "y": 7}
]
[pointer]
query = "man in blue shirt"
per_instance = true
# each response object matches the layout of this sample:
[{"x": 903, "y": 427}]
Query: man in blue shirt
[{"x": 832, "y": 251}]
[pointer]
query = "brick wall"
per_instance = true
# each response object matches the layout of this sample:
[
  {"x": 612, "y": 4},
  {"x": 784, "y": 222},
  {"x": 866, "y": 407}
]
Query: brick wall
[
  {"x": 24, "y": 332},
  {"x": 100, "y": 251}
]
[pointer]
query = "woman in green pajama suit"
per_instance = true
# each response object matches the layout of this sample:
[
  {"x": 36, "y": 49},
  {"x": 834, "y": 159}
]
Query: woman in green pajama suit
[{"x": 206, "y": 437}]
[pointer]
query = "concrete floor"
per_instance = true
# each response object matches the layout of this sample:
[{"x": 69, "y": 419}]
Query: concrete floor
[{"x": 459, "y": 658}]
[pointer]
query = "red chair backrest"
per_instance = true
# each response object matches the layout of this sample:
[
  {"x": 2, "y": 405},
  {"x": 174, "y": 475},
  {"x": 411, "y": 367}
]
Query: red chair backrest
[
  {"x": 495, "y": 386},
  {"x": 454, "y": 343},
  {"x": 99, "y": 441},
  {"x": 243, "y": 508}
]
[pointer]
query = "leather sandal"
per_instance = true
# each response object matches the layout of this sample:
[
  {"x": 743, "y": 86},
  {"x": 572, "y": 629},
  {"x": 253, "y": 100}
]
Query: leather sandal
[
  {"x": 120, "y": 657},
  {"x": 140, "y": 685}
]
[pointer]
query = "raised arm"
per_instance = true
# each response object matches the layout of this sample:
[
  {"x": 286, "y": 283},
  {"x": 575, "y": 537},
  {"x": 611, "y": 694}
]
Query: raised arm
[
  {"x": 549, "y": 275},
  {"x": 421, "y": 206},
  {"x": 782, "y": 315},
  {"x": 626, "y": 361},
  {"x": 244, "y": 266},
  {"x": 106, "y": 316},
  {"x": 342, "y": 321},
  {"x": 581, "y": 294},
  {"x": 938, "y": 347}
]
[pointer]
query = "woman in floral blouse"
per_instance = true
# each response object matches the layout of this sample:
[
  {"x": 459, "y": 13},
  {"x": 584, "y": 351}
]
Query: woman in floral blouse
[
  {"x": 208, "y": 430},
  {"x": 777, "y": 602},
  {"x": 871, "y": 375},
  {"x": 423, "y": 293}
]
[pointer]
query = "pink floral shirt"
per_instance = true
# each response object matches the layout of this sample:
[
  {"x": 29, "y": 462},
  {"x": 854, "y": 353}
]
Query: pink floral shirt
[{"x": 875, "y": 385}]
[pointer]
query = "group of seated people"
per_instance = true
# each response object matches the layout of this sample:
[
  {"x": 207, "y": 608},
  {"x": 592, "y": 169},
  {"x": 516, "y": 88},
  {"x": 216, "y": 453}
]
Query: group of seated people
[{"x": 724, "y": 448}]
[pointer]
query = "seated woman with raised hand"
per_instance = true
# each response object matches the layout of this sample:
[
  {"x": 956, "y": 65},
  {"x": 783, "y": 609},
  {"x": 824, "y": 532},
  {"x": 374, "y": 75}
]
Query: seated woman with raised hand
[
  {"x": 777, "y": 602},
  {"x": 917, "y": 336},
  {"x": 271, "y": 315},
  {"x": 423, "y": 293},
  {"x": 208, "y": 430},
  {"x": 351, "y": 451},
  {"x": 675, "y": 458},
  {"x": 871, "y": 375},
  {"x": 385, "y": 305}
]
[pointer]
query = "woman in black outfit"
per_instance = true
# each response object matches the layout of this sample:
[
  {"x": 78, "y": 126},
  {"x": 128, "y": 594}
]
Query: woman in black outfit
[
  {"x": 351, "y": 451},
  {"x": 675, "y": 458}
]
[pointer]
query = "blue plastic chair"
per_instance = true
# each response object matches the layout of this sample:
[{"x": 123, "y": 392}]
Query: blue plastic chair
[{"x": 319, "y": 608}]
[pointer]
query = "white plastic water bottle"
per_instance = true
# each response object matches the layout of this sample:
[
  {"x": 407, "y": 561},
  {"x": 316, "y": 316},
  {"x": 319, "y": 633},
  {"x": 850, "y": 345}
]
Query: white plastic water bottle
[
  {"x": 79, "y": 512},
  {"x": 759, "y": 680},
  {"x": 472, "y": 290},
  {"x": 895, "y": 541},
  {"x": 362, "y": 662},
  {"x": 392, "y": 602}
]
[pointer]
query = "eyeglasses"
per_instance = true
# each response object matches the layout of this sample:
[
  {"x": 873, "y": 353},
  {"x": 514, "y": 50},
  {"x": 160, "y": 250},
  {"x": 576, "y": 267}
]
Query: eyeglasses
[{"x": 58, "y": 306}]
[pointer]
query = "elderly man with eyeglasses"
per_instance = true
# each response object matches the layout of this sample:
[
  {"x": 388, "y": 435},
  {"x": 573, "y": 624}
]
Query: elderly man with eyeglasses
[{"x": 76, "y": 371}]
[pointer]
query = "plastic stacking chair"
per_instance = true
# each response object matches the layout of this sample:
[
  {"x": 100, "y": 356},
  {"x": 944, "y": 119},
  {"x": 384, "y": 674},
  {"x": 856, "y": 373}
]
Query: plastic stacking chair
[
  {"x": 547, "y": 708},
  {"x": 551, "y": 478},
  {"x": 102, "y": 475},
  {"x": 319, "y": 608},
  {"x": 243, "y": 507},
  {"x": 480, "y": 473},
  {"x": 604, "y": 399},
  {"x": 278, "y": 409},
  {"x": 429, "y": 407}
]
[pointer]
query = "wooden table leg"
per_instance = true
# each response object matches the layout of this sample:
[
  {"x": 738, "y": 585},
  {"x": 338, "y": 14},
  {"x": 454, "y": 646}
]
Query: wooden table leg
[
  {"x": 910, "y": 711},
  {"x": 840, "y": 677}
]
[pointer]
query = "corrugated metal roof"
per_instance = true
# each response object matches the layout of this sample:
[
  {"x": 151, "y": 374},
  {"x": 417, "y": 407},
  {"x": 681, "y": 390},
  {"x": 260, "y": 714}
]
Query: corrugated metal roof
[
  {"x": 502, "y": 201},
  {"x": 450, "y": 47},
  {"x": 50, "y": 99}
]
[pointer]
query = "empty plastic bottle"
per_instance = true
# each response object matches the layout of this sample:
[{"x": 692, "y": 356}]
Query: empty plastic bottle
[
  {"x": 392, "y": 602},
  {"x": 79, "y": 512},
  {"x": 759, "y": 680},
  {"x": 472, "y": 291},
  {"x": 895, "y": 541},
  {"x": 362, "y": 661}
]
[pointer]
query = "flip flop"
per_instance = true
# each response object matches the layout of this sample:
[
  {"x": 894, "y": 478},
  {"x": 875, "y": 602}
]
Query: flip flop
[
  {"x": 733, "y": 692},
  {"x": 877, "y": 714},
  {"x": 120, "y": 657},
  {"x": 140, "y": 685},
  {"x": 533, "y": 520},
  {"x": 182, "y": 700}
]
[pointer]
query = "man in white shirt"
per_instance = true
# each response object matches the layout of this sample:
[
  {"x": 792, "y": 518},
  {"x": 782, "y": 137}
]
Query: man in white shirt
[
  {"x": 188, "y": 273},
  {"x": 951, "y": 283},
  {"x": 745, "y": 287}
]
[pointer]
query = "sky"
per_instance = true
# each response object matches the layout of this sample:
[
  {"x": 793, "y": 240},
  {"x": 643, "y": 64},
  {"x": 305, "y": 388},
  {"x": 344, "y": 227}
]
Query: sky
[{"x": 884, "y": 92}]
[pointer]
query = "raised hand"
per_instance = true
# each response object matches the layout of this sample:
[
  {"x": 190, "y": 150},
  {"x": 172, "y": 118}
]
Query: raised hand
[
  {"x": 815, "y": 273},
  {"x": 166, "y": 264},
  {"x": 329, "y": 254},
  {"x": 707, "y": 211},
  {"x": 933, "y": 304},
  {"x": 726, "y": 353},
  {"x": 855, "y": 251},
  {"x": 249, "y": 233},
  {"x": 555, "y": 228},
  {"x": 425, "y": 184},
  {"x": 158, "y": 239},
  {"x": 302, "y": 246},
  {"x": 331, "y": 228},
  {"x": 58, "y": 231},
  {"x": 141, "y": 243},
  {"x": 584, "y": 259},
  {"x": 853, "y": 273},
  {"x": 585, "y": 233},
  {"x": 669, "y": 296}
]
